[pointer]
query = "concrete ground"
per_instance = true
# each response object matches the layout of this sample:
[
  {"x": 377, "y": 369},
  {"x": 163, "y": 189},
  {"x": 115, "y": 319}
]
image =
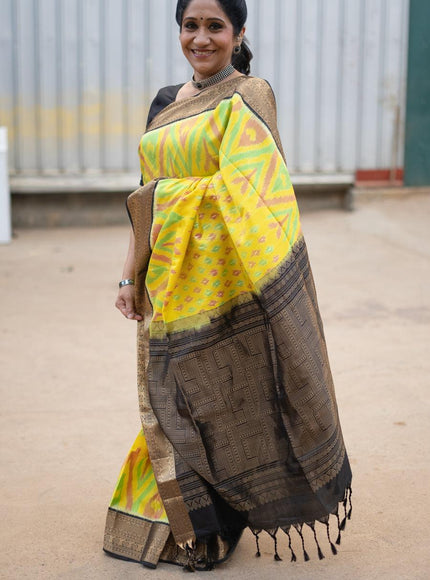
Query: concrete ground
[{"x": 69, "y": 406}]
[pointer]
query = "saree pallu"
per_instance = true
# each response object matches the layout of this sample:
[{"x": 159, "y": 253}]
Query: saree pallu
[{"x": 236, "y": 395}]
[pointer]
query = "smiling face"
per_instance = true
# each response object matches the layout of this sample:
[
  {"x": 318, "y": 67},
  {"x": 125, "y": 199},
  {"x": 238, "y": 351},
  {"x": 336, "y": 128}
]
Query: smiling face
[{"x": 207, "y": 38}]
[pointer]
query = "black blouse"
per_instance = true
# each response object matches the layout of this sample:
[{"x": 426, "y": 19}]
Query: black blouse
[{"x": 165, "y": 96}]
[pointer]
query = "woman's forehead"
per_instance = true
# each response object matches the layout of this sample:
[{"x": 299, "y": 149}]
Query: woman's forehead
[{"x": 204, "y": 10}]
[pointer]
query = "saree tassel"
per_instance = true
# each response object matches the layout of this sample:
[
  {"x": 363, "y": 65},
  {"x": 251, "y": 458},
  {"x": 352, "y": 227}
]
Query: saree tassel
[
  {"x": 338, "y": 540},
  {"x": 276, "y": 556},
  {"x": 332, "y": 546},
  {"x": 320, "y": 554},
  {"x": 343, "y": 522},
  {"x": 293, "y": 555},
  {"x": 345, "y": 497},
  {"x": 345, "y": 503},
  {"x": 299, "y": 528},
  {"x": 347, "y": 513},
  {"x": 350, "y": 503},
  {"x": 257, "y": 541}
]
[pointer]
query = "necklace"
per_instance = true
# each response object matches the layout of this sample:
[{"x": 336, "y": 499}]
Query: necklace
[{"x": 216, "y": 78}]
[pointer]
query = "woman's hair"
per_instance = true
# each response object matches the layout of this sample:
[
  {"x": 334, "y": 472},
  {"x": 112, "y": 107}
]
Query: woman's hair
[{"x": 237, "y": 12}]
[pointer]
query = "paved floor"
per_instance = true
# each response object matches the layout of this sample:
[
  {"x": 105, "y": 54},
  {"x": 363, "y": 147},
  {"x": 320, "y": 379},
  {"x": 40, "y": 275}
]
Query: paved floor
[{"x": 69, "y": 408}]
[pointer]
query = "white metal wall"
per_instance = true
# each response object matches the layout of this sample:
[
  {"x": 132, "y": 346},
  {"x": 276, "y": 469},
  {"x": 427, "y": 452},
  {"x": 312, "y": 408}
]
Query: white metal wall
[{"x": 77, "y": 76}]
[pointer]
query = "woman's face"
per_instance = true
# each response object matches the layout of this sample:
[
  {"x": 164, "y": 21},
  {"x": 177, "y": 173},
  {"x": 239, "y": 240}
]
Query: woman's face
[{"x": 207, "y": 37}]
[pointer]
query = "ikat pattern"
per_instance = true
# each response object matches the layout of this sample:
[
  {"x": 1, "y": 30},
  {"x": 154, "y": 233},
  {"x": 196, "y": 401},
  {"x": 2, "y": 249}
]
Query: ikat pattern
[
  {"x": 214, "y": 237},
  {"x": 136, "y": 491}
]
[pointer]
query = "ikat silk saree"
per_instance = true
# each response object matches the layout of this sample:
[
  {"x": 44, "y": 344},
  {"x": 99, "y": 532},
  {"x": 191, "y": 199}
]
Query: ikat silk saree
[{"x": 240, "y": 423}]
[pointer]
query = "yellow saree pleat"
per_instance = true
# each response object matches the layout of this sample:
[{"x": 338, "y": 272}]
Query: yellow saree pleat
[
  {"x": 137, "y": 527},
  {"x": 136, "y": 491}
]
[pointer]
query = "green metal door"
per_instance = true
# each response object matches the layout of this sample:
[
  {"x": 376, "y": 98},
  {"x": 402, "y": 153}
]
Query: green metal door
[{"x": 417, "y": 138}]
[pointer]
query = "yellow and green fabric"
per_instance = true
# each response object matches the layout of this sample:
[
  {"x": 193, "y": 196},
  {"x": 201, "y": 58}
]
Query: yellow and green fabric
[{"x": 136, "y": 491}]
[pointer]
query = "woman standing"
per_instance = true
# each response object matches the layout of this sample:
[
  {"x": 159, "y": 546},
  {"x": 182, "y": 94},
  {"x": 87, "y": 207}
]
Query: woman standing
[{"x": 240, "y": 423}]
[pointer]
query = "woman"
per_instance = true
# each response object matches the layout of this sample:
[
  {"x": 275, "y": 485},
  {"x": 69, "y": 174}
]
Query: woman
[{"x": 240, "y": 424}]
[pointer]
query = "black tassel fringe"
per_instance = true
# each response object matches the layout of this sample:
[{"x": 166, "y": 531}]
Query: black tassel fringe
[{"x": 346, "y": 502}]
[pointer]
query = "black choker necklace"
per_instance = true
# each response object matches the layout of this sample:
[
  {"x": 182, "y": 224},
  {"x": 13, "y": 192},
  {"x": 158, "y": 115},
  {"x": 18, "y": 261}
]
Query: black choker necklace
[{"x": 216, "y": 78}]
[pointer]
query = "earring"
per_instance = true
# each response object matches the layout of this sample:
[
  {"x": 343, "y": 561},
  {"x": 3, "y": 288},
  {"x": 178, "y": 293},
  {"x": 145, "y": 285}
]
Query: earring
[{"x": 237, "y": 49}]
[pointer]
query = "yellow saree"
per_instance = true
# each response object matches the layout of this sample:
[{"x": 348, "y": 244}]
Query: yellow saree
[{"x": 236, "y": 397}]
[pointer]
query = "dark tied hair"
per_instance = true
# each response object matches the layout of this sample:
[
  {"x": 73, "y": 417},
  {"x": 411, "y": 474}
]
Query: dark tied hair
[{"x": 237, "y": 12}]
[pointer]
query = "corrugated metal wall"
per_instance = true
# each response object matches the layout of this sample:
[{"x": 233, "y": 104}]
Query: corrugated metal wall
[{"x": 77, "y": 77}]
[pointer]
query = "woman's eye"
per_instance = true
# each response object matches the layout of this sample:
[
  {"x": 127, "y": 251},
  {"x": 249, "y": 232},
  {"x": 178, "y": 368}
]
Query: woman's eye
[{"x": 214, "y": 27}]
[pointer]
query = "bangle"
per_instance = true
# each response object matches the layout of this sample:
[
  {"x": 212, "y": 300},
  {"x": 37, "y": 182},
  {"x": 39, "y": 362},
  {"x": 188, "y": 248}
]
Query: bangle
[{"x": 127, "y": 282}]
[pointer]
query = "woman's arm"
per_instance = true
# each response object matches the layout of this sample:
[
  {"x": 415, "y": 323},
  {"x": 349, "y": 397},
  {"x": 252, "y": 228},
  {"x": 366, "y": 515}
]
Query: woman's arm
[{"x": 125, "y": 299}]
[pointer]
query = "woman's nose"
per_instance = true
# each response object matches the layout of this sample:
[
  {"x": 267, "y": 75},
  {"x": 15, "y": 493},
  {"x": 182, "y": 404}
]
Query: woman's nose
[{"x": 202, "y": 37}]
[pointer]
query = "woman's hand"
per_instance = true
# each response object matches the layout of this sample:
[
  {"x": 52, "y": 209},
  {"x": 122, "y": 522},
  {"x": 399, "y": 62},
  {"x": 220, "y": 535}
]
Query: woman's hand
[
  {"x": 125, "y": 303},
  {"x": 125, "y": 300}
]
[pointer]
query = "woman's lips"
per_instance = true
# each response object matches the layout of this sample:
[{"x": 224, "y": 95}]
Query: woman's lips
[{"x": 202, "y": 53}]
